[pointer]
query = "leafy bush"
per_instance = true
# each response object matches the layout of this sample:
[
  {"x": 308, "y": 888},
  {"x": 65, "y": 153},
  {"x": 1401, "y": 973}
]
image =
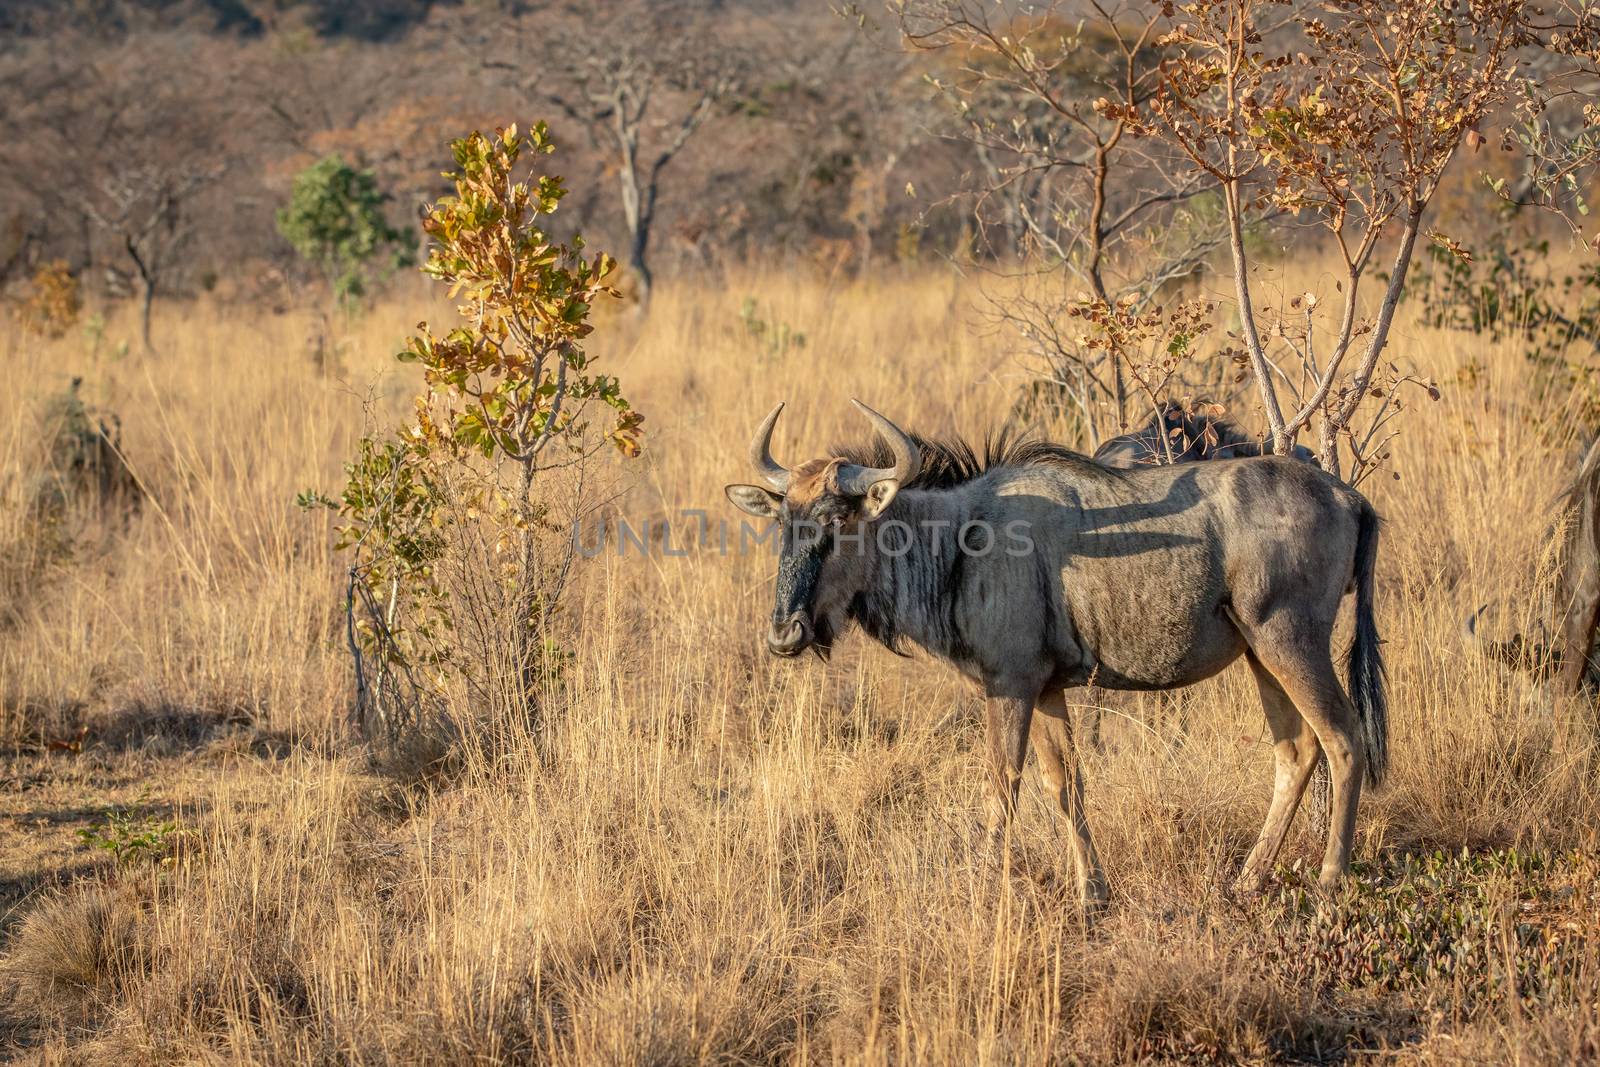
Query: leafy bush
[
  {"x": 460, "y": 557},
  {"x": 132, "y": 834},
  {"x": 335, "y": 219},
  {"x": 1511, "y": 291},
  {"x": 775, "y": 338},
  {"x": 75, "y": 480},
  {"x": 82, "y": 462}
]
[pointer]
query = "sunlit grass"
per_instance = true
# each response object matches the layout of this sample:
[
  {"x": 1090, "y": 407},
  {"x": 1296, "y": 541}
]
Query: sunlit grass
[{"x": 730, "y": 857}]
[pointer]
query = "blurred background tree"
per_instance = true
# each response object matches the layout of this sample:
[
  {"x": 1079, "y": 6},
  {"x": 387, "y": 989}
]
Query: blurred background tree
[{"x": 335, "y": 219}]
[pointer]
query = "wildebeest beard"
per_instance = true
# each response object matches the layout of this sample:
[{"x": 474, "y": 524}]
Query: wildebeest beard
[{"x": 822, "y": 636}]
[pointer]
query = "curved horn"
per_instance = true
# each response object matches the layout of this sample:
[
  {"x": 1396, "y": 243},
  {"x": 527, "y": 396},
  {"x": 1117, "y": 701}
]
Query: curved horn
[
  {"x": 907, "y": 456},
  {"x": 761, "y": 453},
  {"x": 1469, "y": 629}
]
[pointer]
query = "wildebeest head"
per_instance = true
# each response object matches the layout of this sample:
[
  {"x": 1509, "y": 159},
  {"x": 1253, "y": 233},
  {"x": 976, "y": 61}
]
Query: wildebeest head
[{"x": 818, "y": 505}]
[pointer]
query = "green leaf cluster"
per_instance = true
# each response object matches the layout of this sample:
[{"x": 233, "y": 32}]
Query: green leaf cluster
[
  {"x": 131, "y": 835},
  {"x": 512, "y": 378}
]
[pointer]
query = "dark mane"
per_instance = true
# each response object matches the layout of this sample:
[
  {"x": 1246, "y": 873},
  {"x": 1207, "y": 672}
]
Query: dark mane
[{"x": 951, "y": 461}]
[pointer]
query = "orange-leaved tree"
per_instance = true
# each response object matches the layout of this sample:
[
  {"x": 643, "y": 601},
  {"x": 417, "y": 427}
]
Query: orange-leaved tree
[
  {"x": 456, "y": 521},
  {"x": 1343, "y": 114}
]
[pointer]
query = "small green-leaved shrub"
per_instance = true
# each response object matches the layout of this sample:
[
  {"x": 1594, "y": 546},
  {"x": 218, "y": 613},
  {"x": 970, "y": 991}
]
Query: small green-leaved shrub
[{"x": 458, "y": 521}]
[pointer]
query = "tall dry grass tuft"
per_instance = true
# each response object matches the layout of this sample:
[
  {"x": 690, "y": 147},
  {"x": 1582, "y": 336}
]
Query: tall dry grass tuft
[
  {"x": 711, "y": 854},
  {"x": 75, "y": 956}
]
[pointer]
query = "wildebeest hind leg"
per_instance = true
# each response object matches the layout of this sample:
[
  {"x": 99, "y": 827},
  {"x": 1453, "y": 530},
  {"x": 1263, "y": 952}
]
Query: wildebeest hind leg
[
  {"x": 1303, "y": 669},
  {"x": 1061, "y": 775},
  {"x": 1295, "y": 749}
]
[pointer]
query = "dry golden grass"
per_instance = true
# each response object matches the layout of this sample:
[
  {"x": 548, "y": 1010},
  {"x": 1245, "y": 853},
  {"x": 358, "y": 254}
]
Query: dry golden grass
[{"x": 731, "y": 858}]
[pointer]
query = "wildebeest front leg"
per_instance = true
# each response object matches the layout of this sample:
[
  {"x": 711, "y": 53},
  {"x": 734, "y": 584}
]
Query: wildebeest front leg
[
  {"x": 1063, "y": 776},
  {"x": 1296, "y": 751},
  {"x": 1006, "y": 720}
]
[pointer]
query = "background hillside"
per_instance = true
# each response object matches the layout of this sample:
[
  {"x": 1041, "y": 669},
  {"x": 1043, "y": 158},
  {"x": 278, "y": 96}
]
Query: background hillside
[{"x": 809, "y": 157}]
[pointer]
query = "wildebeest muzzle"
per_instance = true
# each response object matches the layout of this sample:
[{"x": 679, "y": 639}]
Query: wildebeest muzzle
[{"x": 799, "y": 568}]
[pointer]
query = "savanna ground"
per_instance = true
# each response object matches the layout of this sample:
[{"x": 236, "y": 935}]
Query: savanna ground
[{"x": 723, "y": 856}]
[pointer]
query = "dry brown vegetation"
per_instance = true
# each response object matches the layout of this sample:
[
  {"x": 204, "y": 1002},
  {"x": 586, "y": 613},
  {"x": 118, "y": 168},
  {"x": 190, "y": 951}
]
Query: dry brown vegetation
[{"x": 722, "y": 856}]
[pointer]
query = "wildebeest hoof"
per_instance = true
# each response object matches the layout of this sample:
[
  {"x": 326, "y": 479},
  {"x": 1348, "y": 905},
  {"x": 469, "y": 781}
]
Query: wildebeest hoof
[
  {"x": 1094, "y": 901},
  {"x": 1250, "y": 886}
]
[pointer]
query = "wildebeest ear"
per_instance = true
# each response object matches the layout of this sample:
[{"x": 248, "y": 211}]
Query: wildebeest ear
[
  {"x": 754, "y": 500},
  {"x": 879, "y": 495}
]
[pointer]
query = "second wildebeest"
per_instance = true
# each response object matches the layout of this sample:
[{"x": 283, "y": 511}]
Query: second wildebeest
[
  {"x": 1173, "y": 435},
  {"x": 1142, "y": 579},
  {"x": 1571, "y": 656}
]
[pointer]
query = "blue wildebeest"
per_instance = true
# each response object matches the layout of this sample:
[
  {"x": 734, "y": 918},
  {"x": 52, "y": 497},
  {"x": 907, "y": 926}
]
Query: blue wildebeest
[
  {"x": 1580, "y": 575},
  {"x": 1141, "y": 579}
]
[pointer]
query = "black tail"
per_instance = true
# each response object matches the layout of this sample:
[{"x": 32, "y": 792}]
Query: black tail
[{"x": 1366, "y": 676}]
